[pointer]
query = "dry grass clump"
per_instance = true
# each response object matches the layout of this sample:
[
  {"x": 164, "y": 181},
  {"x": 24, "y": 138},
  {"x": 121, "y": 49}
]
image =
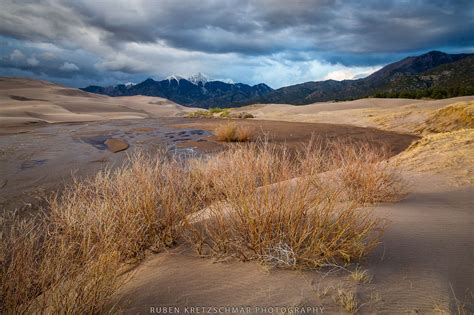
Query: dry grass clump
[
  {"x": 42, "y": 272},
  {"x": 287, "y": 229},
  {"x": 348, "y": 300},
  {"x": 361, "y": 276},
  {"x": 244, "y": 133},
  {"x": 231, "y": 132},
  {"x": 301, "y": 223},
  {"x": 133, "y": 207},
  {"x": 225, "y": 132},
  {"x": 246, "y": 166},
  {"x": 366, "y": 177},
  {"x": 70, "y": 258}
]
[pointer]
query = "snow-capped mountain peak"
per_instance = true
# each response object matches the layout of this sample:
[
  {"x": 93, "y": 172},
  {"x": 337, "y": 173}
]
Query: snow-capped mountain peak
[
  {"x": 175, "y": 77},
  {"x": 198, "y": 78}
]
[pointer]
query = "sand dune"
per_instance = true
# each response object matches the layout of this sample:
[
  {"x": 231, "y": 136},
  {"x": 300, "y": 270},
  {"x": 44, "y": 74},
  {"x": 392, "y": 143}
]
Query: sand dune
[
  {"x": 424, "y": 259},
  {"x": 401, "y": 115},
  {"x": 26, "y": 101},
  {"x": 447, "y": 153}
]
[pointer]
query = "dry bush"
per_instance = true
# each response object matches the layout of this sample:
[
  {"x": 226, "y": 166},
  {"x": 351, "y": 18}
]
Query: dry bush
[
  {"x": 20, "y": 240},
  {"x": 246, "y": 166},
  {"x": 243, "y": 133},
  {"x": 288, "y": 227},
  {"x": 129, "y": 209},
  {"x": 42, "y": 273},
  {"x": 68, "y": 260},
  {"x": 365, "y": 174},
  {"x": 83, "y": 289},
  {"x": 261, "y": 214},
  {"x": 230, "y": 132},
  {"x": 225, "y": 132}
]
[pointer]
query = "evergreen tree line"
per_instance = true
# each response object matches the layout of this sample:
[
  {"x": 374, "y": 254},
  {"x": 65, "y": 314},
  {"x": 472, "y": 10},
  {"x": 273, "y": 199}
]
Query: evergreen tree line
[{"x": 435, "y": 92}]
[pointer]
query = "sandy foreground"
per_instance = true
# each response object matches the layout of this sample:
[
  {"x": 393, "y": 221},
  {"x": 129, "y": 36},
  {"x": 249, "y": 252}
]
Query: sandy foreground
[
  {"x": 425, "y": 251},
  {"x": 423, "y": 264}
]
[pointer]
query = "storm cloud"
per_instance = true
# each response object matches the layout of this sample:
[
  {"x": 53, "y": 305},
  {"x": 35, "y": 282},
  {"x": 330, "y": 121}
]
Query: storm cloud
[{"x": 278, "y": 42}]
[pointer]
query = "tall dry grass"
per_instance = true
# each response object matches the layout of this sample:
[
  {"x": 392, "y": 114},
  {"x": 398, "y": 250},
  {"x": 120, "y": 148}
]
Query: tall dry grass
[
  {"x": 255, "y": 201},
  {"x": 365, "y": 174},
  {"x": 43, "y": 272},
  {"x": 278, "y": 208},
  {"x": 70, "y": 257},
  {"x": 231, "y": 132}
]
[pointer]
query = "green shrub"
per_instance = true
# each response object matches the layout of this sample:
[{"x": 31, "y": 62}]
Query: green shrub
[{"x": 200, "y": 114}]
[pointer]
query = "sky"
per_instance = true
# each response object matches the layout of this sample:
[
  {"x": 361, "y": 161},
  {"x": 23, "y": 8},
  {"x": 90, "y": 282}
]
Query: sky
[{"x": 277, "y": 42}]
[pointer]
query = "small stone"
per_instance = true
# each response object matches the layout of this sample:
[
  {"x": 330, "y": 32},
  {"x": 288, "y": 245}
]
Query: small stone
[{"x": 116, "y": 145}]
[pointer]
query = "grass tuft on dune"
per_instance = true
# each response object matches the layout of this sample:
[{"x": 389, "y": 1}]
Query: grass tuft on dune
[{"x": 231, "y": 132}]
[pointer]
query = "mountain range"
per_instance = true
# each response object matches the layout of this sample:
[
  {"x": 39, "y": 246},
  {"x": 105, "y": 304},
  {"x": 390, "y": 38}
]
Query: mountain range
[
  {"x": 195, "y": 91},
  {"x": 434, "y": 74}
]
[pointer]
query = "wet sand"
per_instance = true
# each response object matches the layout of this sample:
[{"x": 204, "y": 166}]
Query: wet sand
[
  {"x": 36, "y": 160},
  {"x": 293, "y": 134}
]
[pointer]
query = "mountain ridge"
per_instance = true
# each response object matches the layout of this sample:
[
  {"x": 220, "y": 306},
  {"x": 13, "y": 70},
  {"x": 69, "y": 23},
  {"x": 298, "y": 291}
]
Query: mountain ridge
[
  {"x": 434, "y": 74},
  {"x": 393, "y": 80},
  {"x": 196, "y": 91}
]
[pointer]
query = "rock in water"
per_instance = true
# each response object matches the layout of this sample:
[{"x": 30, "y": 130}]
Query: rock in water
[{"x": 116, "y": 145}]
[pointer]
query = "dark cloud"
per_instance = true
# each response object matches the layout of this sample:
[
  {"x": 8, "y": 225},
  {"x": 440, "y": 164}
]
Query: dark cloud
[
  {"x": 118, "y": 34},
  {"x": 74, "y": 68},
  {"x": 250, "y": 27}
]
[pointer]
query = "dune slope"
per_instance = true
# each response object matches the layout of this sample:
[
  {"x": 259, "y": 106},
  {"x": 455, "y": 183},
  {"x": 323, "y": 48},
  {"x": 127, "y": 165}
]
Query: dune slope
[
  {"x": 26, "y": 101},
  {"x": 402, "y": 115}
]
